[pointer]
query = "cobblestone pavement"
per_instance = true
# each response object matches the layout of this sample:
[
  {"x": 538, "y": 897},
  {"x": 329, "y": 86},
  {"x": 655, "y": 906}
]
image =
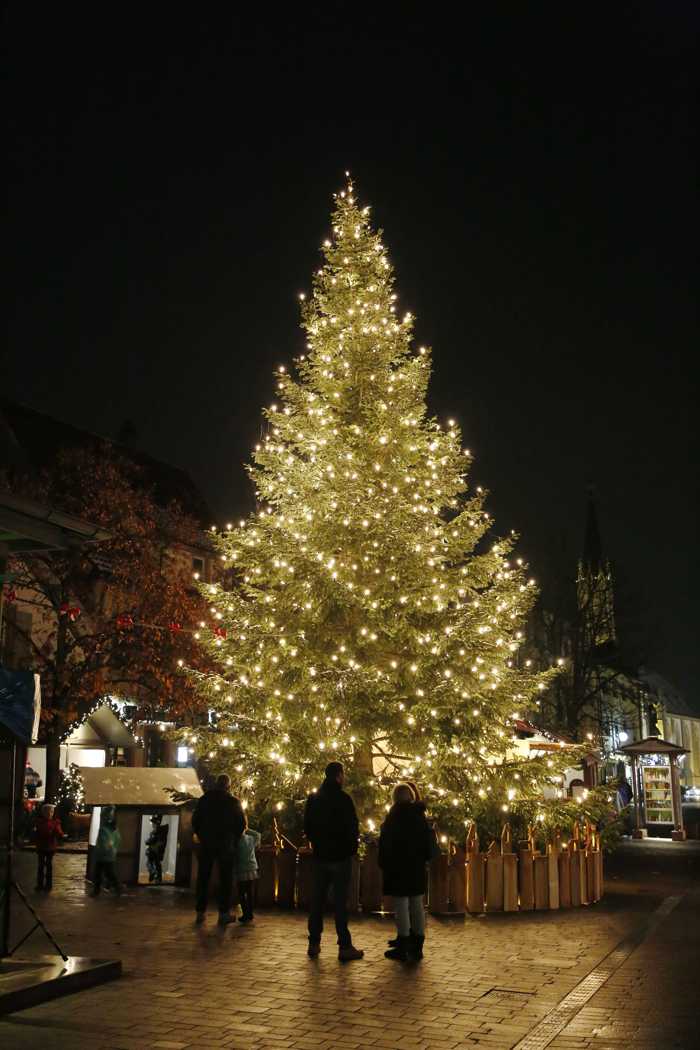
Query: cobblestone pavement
[{"x": 484, "y": 982}]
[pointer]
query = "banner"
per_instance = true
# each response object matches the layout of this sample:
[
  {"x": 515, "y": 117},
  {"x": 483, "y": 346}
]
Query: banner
[{"x": 20, "y": 704}]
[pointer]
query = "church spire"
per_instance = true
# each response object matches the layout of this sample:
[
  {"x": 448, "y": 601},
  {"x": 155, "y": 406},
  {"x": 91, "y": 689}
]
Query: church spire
[
  {"x": 594, "y": 584},
  {"x": 592, "y": 545}
]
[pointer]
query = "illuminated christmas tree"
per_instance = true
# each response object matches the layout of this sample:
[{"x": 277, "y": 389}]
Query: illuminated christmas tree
[
  {"x": 366, "y": 615},
  {"x": 71, "y": 788}
]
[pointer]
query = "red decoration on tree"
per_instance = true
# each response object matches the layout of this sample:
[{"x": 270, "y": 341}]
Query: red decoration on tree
[
  {"x": 174, "y": 627},
  {"x": 125, "y": 622},
  {"x": 71, "y": 611},
  {"x": 220, "y": 632},
  {"x": 10, "y": 595}
]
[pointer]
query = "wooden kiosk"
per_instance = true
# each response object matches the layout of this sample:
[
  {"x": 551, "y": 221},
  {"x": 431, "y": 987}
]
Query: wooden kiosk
[
  {"x": 138, "y": 794},
  {"x": 656, "y": 788}
]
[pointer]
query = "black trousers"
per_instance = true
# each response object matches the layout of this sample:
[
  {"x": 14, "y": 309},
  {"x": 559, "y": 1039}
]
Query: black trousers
[
  {"x": 327, "y": 873},
  {"x": 224, "y": 859},
  {"x": 44, "y": 875},
  {"x": 246, "y": 894},
  {"x": 107, "y": 870},
  {"x": 154, "y": 863}
]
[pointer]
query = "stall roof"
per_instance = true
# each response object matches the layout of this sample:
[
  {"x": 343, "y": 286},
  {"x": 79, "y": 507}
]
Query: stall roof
[
  {"x": 28, "y": 527},
  {"x": 653, "y": 745},
  {"x": 102, "y": 727},
  {"x": 134, "y": 786}
]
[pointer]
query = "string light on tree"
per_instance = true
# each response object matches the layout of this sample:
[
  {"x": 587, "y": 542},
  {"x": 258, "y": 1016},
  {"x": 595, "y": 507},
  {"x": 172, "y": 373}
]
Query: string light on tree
[{"x": 364, "y": 616}]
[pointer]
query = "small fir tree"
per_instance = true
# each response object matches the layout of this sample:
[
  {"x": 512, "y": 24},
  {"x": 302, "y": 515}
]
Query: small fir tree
[
  {"x": 71, "y": 788},
  {"x": 365, "y": 616}
]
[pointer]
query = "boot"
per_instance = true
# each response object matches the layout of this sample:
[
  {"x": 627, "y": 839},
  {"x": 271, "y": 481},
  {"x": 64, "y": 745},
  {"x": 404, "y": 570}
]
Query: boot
[
  {"x": 401, "y": 951},
  {"x": 416, "y": 946},
  {"x": 394, "y": 942},
  {"x": 349, "y": 952}
]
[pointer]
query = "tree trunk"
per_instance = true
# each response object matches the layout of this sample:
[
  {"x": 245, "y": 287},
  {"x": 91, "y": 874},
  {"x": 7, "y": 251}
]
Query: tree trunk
[{"x": 53, "y": 762}]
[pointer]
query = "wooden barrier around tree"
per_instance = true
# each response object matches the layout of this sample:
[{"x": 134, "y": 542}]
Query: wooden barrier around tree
[
  {"x": 286, "y": 877},
  {"x": 266, "y": 889},
  {"x": 531, "y": 879},
  {"x": 371, "y": 879},
  {"x": 460, "y": 879}
]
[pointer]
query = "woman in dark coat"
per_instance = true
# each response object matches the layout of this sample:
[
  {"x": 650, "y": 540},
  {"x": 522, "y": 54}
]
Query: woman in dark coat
[{"x": 406, "y": 844}]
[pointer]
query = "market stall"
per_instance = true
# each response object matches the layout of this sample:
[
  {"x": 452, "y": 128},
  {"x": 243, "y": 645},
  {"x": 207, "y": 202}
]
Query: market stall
[
  {"x": 148, "y": 801},
  {"x": 656, "y": 788}
]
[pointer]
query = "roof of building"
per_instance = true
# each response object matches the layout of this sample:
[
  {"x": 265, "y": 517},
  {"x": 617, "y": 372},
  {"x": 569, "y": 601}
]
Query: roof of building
[
  {"x": 653, "y": 745},
  {"x": 102, "y": 727},
  {"x": 30, "y": 440},
  {"x": 661, "y": 688},
  {"x": 134, "y": 786},
  {"x": 27, "y": 526}
]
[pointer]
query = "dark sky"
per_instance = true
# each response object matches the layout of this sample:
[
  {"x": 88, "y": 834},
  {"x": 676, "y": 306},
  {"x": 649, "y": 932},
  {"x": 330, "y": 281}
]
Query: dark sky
[{"x": 533, "y": 167}]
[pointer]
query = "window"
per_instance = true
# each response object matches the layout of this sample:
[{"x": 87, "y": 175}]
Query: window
[{"x": 198, "y": 566}]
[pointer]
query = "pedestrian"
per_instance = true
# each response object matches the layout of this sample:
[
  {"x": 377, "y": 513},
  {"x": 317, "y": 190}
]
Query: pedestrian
[
  {"x": 624, "y": 793},
  {"x": 218, "y": 822},
  {"x": 106, "y": 851},
  {"x": 406, "y": 844},
  {"x": 156, "y": 844},
  {"x": 247, "y": 870},
  {"x": 48, "y": 835},
  {"x": 330, "y": 825}
]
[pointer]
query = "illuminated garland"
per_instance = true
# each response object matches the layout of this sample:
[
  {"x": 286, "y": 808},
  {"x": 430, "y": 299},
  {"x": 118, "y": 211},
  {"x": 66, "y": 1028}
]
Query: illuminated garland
[{"x": 79, "y": 723}]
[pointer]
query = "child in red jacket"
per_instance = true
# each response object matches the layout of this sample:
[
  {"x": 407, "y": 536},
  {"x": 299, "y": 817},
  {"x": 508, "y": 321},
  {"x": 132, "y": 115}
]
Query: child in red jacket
[{"x": 48, "y": 834}]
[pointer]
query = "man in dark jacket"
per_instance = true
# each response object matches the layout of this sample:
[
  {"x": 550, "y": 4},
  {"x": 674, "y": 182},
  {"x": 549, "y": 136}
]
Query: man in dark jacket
[
  {"x": 218, "y": 823},
  {"x": 330, "y": 825}
]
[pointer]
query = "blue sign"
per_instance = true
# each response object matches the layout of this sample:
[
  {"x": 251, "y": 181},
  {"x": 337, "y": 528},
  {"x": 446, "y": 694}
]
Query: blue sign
[{"x": 20, "y": 704}]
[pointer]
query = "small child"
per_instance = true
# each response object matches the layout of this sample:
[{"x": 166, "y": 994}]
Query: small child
[
  {"x": 106, "y": 850},
  {"x": 48, "y": 834},
  {"x": 247, "y": 870}
]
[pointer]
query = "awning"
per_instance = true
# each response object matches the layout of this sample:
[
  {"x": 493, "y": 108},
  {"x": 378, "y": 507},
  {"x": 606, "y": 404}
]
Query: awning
[
  {"x": 28, "y": 527},
  {"x": 126, "y": 786}
]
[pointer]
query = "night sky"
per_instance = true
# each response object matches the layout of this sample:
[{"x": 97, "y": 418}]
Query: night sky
[{"x": 533, "y": 168}]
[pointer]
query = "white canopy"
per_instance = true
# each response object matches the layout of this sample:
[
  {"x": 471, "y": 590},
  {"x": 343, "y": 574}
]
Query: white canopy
[{"x": 134, "y": 786}]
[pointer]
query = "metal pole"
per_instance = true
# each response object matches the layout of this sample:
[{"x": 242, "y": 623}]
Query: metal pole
[
  {"x": 676, "y": 797},
  {"x": 636, "y": 791},
  {"x": 4, "y": 946}
]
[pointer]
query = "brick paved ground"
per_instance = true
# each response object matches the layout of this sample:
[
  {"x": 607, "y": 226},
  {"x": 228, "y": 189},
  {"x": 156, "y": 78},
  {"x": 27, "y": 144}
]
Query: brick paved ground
[{"x": 485, "y": 982}]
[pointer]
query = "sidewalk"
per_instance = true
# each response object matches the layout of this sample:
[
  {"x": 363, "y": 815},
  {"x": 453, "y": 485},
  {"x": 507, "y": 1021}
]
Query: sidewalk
[{"x": 485, "y": 982}]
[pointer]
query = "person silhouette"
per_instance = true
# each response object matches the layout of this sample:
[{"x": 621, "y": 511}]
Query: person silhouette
[{"x": 156, "y": 844}]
